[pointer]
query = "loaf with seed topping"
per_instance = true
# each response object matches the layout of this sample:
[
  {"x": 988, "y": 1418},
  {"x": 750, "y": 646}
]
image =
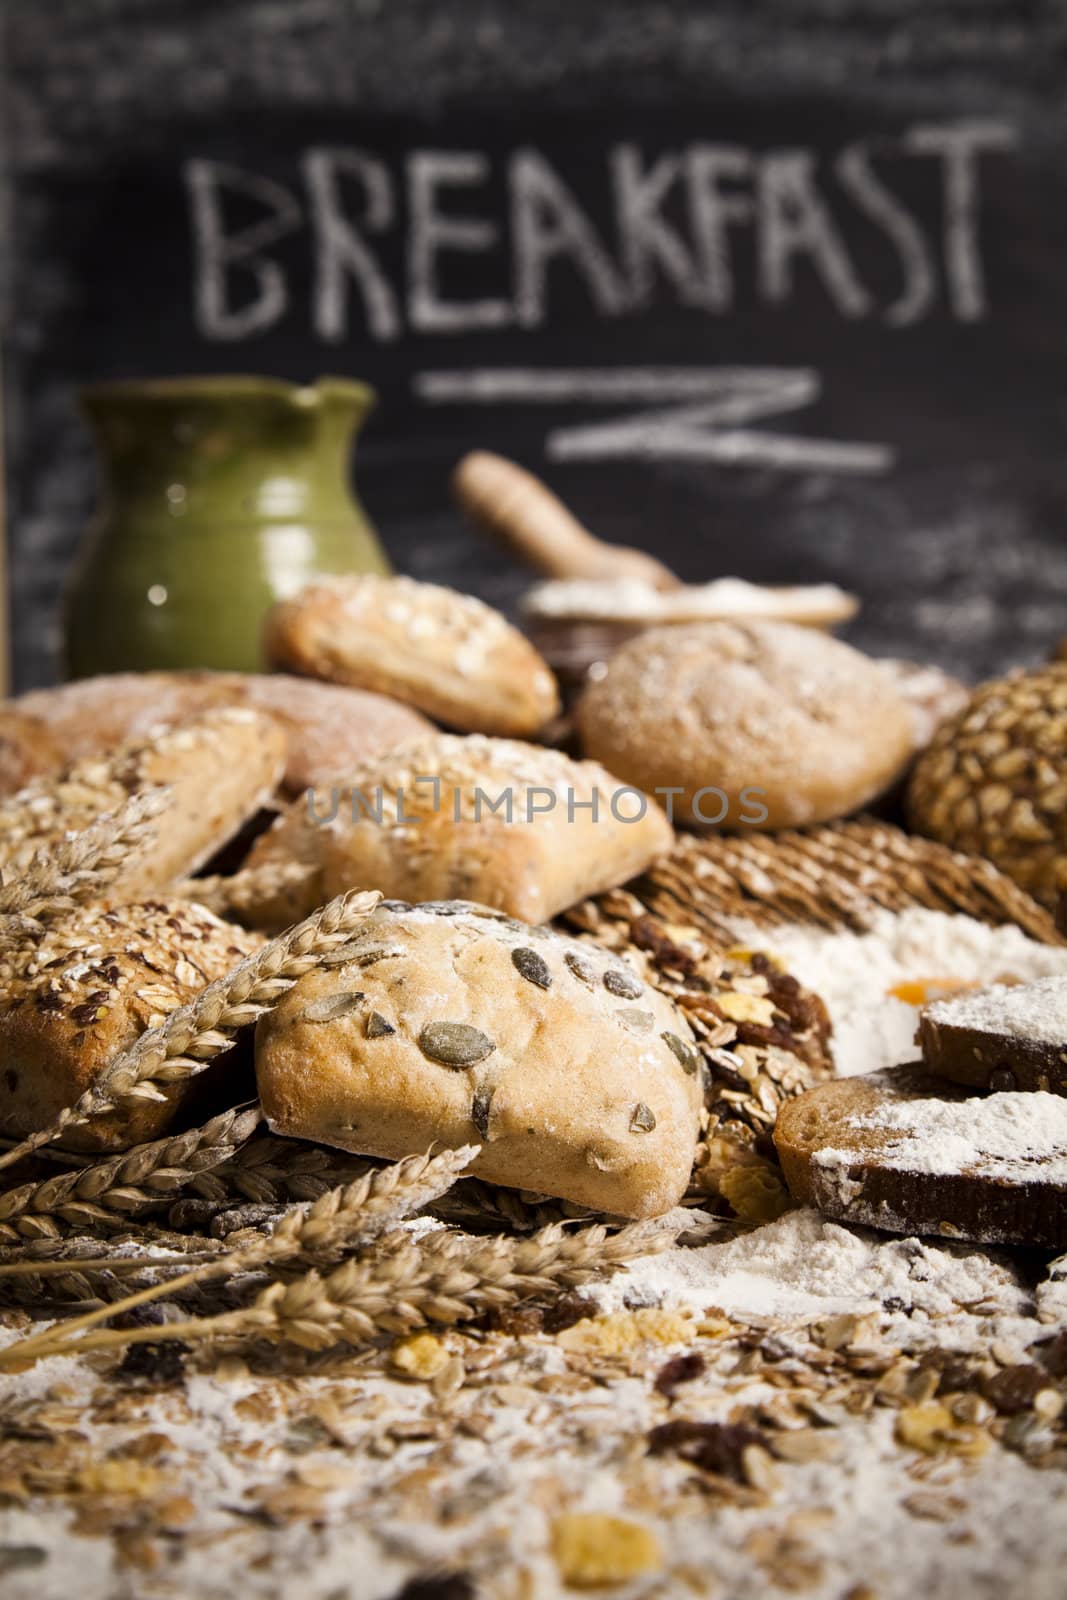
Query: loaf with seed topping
[
  {"x": 27, "y": 749},
  {"x": 445, "y": 653},
  {"x": 219, "y": 768},
  {"x": 86, "y": 990},
  {"x": 515, "y": 826},
  {"x": 453, "y": 1024}
]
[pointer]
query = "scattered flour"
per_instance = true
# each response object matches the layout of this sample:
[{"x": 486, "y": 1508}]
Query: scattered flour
[{"x": 856, "y": 972}]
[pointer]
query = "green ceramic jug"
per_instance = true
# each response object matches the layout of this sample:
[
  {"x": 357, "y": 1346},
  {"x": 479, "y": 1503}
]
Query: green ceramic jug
[{"x": 221, "y": 496}]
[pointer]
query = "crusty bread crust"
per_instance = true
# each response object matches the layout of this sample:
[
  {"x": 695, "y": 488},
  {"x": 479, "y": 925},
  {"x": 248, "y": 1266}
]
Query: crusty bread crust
[
  {"x": 219, "y": 768},
  {"x": 806, "y": 720},
  {"x": 444, "y": 841},
  {"x": 443, "y": 652},
  {"x": 455, "y": 1025},
  {"x": 875, "y": 1188}
]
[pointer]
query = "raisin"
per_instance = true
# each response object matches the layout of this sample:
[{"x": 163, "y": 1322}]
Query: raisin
[
  {"x": 680, "y": 1369},
  {"x": 717, "y": 1447}
]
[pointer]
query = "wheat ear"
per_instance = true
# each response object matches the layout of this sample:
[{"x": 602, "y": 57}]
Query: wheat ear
[
  {"x": 106, "y": 1192},
  {"x": 345, "y": 1218},
  {"x": 405, "y": 1284},
  {"x": 194, "y": 1034},
  {"x": 77, "y": 869}
]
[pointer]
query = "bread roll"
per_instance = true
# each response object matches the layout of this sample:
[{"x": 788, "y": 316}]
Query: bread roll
[
  {"x": 440, "y": 837},
  {"x": 445, "y": 653},
  {"x": 90, "y": 987},
  {"x": 27, "y": 750},
  {"x": 219, "y": 768},
  {"x": 780, "y": 726},
  {"x": 328, "y": 727},
  {"x": 453, "y": 1024},
  {"x": 903, "y": 1151}
]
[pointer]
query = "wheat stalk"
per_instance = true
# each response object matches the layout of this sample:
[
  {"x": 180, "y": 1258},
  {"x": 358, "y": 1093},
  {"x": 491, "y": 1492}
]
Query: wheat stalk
[
  {"x": 76, "y": 870},
  {"x": 351, "y": 1216},
  {"x": 106, "y": 1192},
  {"x": 272, "y": 1171},
  {"x": 194, "y": 1034},
  {"x": 445, "y": 1278}
]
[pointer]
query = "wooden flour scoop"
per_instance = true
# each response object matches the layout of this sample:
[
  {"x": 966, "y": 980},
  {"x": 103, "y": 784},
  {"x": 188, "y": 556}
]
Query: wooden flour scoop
[
  {"x": 532, "y": 523},
  {"x": 523, "y": 514}
]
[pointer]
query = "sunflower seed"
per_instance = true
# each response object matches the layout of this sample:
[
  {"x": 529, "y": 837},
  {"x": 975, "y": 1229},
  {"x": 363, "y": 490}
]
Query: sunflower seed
[
  {"x": 377, "y": 1026},
  {"x": 642, "y": 1119},
  {"x": 331, "y": 1006},
  {"x": 454, "y": 1044},
  {"x": 533, "y": 967},
  {"x": 682, "y": 1052},
  {"x": 623, "y": 984}
]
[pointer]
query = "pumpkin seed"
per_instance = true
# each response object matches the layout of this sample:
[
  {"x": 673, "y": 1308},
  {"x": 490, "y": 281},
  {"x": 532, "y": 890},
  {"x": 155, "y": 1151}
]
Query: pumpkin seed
[
  {"x": 634, "y": 1017},
  {"x": 533, "y": 967},
  {"x": 480, "y": 1107},
  {"x": 623, "y": 984},
  {"x": 330, "y": 1007},
  {"x": 583, "y": 970},
  {"x": 377, "y": 1026},
  {"x": 642, "y": 1119},
  {"x": 454, "y": 1044},
  {"x": 394, "y": 905},
  {"x": 684, "y": 1053}
]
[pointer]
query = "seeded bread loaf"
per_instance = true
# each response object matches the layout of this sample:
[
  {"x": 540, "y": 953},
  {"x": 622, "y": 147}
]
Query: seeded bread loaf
[
  {"x": 328, "y": 727},
  {"x": 87, "y": 990},
  {"x": 904, "y": 1151},
  {"x": 1009, "y": 1036},
  {"x": 993, "y": 780},
  {"x": 445, "y": 653},
  {"x": 218, "y": 767},
  {"x": 510, "y": 825},
  {"x": 751, "y": 724},
  {"x": 27, "y": 749},
  {"x": 454, "y": 1024}
]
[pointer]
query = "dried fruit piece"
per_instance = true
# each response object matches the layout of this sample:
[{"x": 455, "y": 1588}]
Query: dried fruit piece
[
  {"x": 420, "y": 1355},
  {"x": 717, "y": 1447},
  {"x": 593, "y": 1549},
  {"x": 455, "y": 1044}
]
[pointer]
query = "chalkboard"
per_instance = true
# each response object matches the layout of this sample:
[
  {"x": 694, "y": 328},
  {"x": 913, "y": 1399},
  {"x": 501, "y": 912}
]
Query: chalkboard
[{"x": 773, "y": 290}]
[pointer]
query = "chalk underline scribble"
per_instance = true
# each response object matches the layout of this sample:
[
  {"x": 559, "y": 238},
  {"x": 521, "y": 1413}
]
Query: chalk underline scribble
[{"x": 697, "y": 417}]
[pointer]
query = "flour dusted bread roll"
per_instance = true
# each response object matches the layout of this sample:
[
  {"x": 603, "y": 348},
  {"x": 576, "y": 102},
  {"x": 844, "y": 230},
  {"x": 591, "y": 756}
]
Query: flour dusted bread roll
[
  {"x": 219, "y": 768},
  {"x": 445, "y": 653},
  {"x": 515, "y": 826},
  {"x": 327, "y": 727},
  {"x": 903, "y": 1151},
  {"x": 91, "y": 985},
  {"x": 779, "y": 726},
  {"x": 454, "y": 1025}
]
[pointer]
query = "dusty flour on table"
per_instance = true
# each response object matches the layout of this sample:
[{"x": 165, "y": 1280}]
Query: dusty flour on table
[{"x": 855, "y": 972}]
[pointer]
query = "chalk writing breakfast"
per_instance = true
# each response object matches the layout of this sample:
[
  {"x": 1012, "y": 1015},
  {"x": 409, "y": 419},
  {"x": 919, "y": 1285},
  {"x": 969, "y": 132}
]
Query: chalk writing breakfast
[{"x": 679, "y": 223}]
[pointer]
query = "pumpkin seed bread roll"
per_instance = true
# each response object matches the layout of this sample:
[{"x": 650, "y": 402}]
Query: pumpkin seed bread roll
[
  {"x": 453, "y": 1024},
  {"x": 515, "y": 826},
  {"x": 87, "y": 990},
  {"x": 444, "y": 653},
  {"x": 219, "y": 768}
]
